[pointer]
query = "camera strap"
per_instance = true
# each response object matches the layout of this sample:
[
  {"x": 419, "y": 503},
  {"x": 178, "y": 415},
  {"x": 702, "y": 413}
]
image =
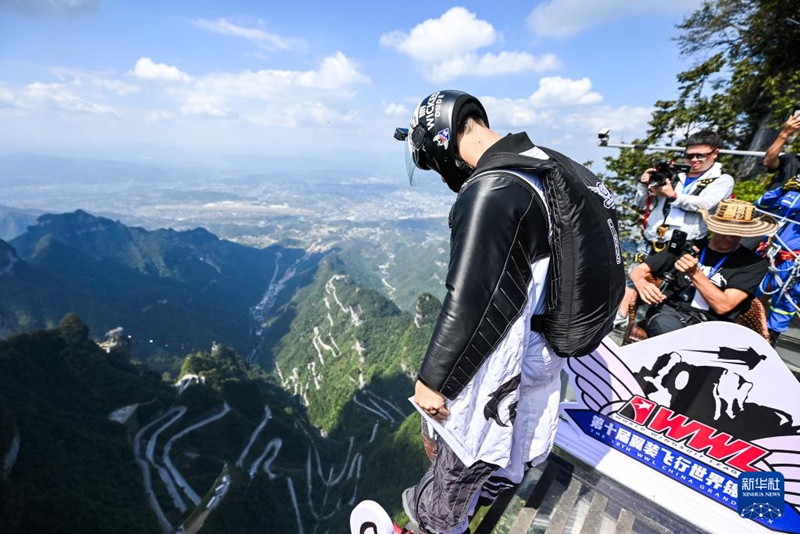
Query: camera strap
[
  {"x": 695, "y": 188},
  {"x": 714, "y": 269}
]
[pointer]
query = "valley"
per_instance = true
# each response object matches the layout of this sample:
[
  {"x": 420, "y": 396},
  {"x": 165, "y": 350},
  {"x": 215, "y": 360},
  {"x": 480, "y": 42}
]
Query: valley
[
  {"x": 394, "y": 235},
  {"x": 283, "y": 322}
]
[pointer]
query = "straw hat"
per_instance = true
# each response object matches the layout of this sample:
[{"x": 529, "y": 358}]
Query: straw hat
[{"x": 735, "y": 217}]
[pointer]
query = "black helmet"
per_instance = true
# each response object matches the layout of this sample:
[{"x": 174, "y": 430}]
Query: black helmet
[{"x": 431, "y": 138}]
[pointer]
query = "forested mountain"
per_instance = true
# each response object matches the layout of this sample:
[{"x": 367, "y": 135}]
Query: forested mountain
[
  {"x": 343, "y": 336},
  {"x": 172, "y": 292},
  {"x": 93, "y": 443},
  {"x": 95, "y": 440}
]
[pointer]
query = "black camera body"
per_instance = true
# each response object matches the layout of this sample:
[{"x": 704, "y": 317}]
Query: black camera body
[
  {"x": 666, "y": 170},
  {"x": 678, "y": 246}
]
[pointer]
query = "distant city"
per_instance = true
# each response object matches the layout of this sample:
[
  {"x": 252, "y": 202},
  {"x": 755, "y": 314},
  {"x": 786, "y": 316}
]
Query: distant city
[
  {"x": 257, "y": 209},
  {"x": 375, "y": 218}
]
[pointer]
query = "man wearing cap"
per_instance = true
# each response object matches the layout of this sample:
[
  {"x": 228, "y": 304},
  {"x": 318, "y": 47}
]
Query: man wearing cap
[{"x": 715, "y": 282}]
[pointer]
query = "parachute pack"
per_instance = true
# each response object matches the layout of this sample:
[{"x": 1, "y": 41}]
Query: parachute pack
[{"x": 586, "y": 277}]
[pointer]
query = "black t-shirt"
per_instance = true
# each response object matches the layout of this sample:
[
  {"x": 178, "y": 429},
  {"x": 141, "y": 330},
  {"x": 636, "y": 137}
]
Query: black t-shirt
[
  {"x": 741, "y": 269},
  {"x": 788, "y": 167}
]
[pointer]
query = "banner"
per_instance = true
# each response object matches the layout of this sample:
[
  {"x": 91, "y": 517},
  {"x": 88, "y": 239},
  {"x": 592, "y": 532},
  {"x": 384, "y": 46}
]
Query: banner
[{"x": 704, "y": 421}]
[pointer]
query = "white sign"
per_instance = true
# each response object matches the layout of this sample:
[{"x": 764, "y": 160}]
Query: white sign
[{"x": 678, "y": 417}]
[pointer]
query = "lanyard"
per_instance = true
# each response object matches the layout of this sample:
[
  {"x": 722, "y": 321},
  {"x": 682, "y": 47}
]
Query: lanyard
[{"x": 716, "y": 268}]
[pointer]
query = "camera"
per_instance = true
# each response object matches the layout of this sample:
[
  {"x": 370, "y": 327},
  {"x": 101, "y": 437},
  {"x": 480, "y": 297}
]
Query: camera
[
  {"x": 666, "y": 170},
  {"x": 678, "y": 246},
  {"x": 602, "y": 136}
]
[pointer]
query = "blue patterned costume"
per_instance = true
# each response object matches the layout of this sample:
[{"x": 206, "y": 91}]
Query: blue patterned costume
[{"x": 785, "y": 203}]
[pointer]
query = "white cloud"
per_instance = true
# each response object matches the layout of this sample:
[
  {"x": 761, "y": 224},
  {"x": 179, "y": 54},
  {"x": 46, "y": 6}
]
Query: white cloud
[
  {"x": 285, "y": 97},
  {"x": 560, "y": 18},
  {"x": 456, "y": 32},
  {"x": 7, "y": 98},
  {"x": 147, "y": 69},
  {"x": 392, "y": 109},
  {"x": 446, "y": 48},
  {"x": 205, "y": 104},
  {"x": 159, "y": 116},
  {"x": 265, "y": 40},
  {"x": 516, "y": 113},
  {"x": 115, "y": 86},
  {"x": 553, "y": 93},
  {"x": 334, "y": 80},
  {"x": 302, "y": 114},
  {"x": 628, "y": 121},
  {"x": 314, "y": 97},
  {"x": 61, "y": 97},
  {"x": 565, "y": 106},
  {"x": 337, "y": 71},
  {"x": 491, "y": 65},
  {"x": 101, "y": 81},
  {"x": 559, "y": 92},
  {"x": 569, "y": 128}
]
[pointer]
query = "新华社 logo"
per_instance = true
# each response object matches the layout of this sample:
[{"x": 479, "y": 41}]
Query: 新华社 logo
[{"x": 706, "y": 406}]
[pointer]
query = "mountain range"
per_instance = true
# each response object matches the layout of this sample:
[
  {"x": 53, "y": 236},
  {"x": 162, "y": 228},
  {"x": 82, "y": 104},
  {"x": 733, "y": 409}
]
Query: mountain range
[
  {"x": 271, "y": 398},
  {"x": 172, "y": 292}
]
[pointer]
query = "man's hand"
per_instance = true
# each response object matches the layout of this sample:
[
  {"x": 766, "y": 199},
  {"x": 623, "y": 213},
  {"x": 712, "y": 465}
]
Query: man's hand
[
  {"x": 665, "y": 190},
  {"x": 791, "y": 125},
  {"x": 432, "y": 402},
  {"x": 687, "y": 264},
  {"x": 649, "y": 292}
]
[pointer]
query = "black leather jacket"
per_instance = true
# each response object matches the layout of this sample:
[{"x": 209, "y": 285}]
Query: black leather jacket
[{"x": 498, "y": 229}]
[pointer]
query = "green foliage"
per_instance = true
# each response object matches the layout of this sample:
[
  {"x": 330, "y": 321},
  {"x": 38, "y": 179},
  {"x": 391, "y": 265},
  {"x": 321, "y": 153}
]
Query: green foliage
[
  {"x": 754, "y": 47},
  {"x": 744, "y": 85},
  {"x": 75, "y": 469},
  {"x": 749, "y": 190},
  {"x": 399, "y": 457},
  {"x": 220, "y": 366},
  {"x": 341, "y": 336},
  {"x": 698, "y": 104}
]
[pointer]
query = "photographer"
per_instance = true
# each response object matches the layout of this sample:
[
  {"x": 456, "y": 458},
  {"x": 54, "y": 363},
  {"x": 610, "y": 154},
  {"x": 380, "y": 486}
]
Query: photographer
[
  {"x": 782, "y": 288},
  {"x": 676, "y": 202},
  {"x": 714, "y": 282}
]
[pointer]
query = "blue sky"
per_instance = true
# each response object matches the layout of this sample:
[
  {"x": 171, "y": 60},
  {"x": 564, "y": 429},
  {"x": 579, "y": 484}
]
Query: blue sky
[{"x": 196, "y": 81}]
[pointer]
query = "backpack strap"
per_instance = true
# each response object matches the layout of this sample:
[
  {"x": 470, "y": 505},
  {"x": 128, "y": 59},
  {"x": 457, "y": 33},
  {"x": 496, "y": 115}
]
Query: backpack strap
[
  {"x": 702, "y": 184},
  {"x": 537, "y": 323}
]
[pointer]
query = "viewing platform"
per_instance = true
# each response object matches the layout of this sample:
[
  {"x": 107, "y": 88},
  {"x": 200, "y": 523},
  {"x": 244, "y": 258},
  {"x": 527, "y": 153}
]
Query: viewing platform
[{"x": 566, "y": 495}]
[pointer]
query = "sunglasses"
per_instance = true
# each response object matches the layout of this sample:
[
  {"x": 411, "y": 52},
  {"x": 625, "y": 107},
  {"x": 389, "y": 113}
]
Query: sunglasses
[{"x": 700, "y": 156}]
